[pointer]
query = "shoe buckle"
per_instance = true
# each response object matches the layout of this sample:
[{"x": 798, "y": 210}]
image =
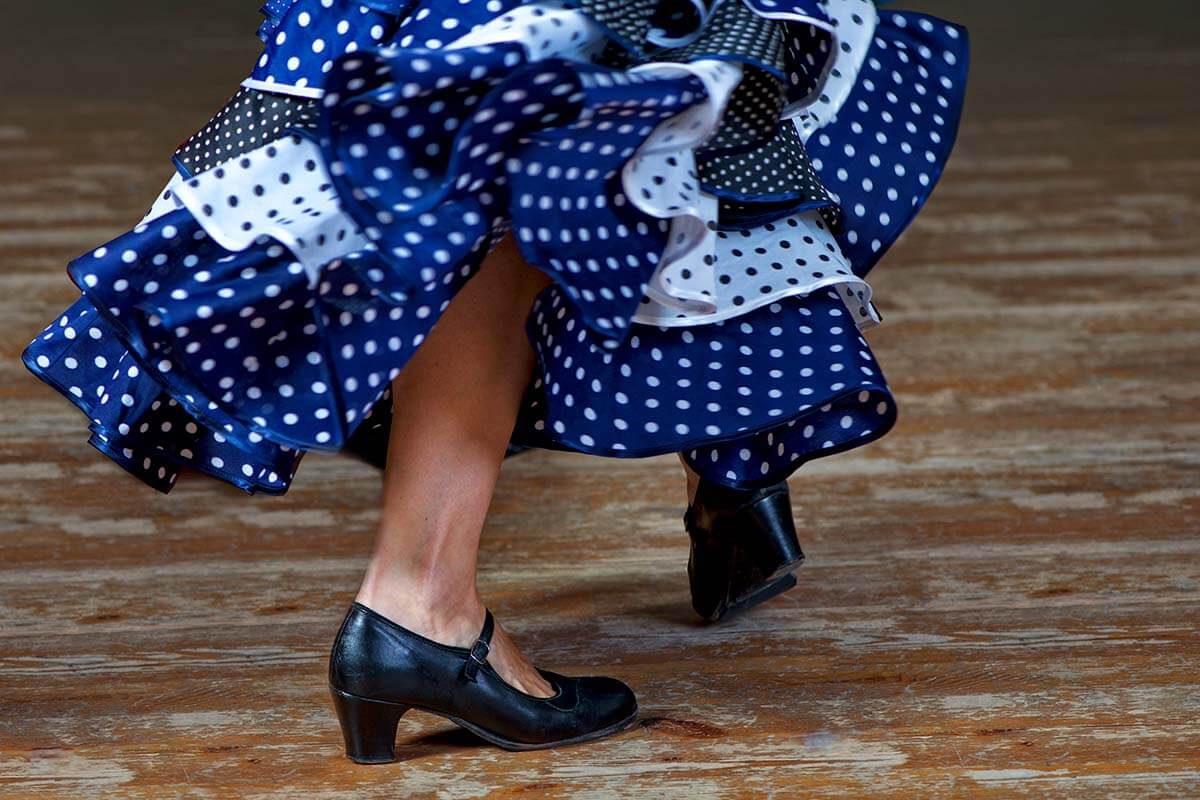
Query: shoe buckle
[{"x": 476, "y": 658}]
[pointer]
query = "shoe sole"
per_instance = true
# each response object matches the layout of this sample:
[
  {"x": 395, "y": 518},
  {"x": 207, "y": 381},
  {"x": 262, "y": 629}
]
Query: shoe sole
[
  {"x": 488, "y": 736},
  {"x": 510, "y": 745},
  {"x": 772, "y": 589},
  {"x": 782, "y": 580}
]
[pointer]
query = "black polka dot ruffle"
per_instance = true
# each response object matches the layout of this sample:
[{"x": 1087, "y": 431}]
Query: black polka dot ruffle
[
  {"x": 737, "y": 33},
  {"x": 249, "y": 120}
]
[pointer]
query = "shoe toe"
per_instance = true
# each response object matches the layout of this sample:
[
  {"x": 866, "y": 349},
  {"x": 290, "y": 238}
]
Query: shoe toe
[{"x": 610, "y": 699}]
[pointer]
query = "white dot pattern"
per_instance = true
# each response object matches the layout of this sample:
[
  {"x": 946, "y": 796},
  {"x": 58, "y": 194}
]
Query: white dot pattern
[
  {"x": 885, "y": 149},
  {"x": 565, "y": 215},
  {"x": 738, "y": 381},
  {"x": 734, "y": 31},
  {"x": 219, "y": 336},
  {"x": 136, "y": 421},
  {"x": 767, "y": 179},
  {"x": 304, "y": 40},
  {"x": 808, "y": 44},
  {"x": 753, "y": 113}
]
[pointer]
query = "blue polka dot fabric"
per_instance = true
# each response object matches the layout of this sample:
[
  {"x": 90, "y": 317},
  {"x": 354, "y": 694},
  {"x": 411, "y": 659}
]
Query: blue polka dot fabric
[
  {"x": 887, "y": 147},
  {"x": 272, "y": 11},
  {"x": 305, "y": 37},
  {"x": 264, "y": 305},
  {"x": 732, "y": 394},
  {"x": 559, "y": 205}
]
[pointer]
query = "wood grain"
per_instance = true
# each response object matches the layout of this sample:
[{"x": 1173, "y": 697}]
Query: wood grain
[{"x": 1002, "y": 596}]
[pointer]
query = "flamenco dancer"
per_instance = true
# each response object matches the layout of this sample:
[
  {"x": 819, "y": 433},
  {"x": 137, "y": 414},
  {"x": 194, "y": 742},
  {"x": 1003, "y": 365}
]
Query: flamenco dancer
[{"x": 617, "y": 227}]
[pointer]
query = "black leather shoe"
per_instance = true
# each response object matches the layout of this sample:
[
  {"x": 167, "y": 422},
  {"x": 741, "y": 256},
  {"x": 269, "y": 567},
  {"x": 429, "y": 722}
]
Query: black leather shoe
[
  {"x": 744, "y": 547},
  {"x": 379, "y": 670}
]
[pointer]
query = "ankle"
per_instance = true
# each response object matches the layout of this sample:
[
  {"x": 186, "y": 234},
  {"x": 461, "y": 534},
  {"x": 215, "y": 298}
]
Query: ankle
[
  {"x": 451, "y": 617},
  {"x": 693, "y": 480}
]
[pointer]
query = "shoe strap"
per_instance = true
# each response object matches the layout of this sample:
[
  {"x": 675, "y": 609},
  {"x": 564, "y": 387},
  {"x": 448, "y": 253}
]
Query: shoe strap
[{"x": 478, "y": 654}]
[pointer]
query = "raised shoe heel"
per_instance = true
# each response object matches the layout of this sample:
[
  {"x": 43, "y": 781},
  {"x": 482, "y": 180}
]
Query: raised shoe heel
[
  {"x": 766, "y": 549},
  {"x": 773, "y": 557},
  {"x": 774, "y": 549},
  {"x": 368, "y": 727}
]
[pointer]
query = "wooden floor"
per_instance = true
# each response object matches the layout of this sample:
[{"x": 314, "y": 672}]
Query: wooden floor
[{"x": 1002, "y": 596}]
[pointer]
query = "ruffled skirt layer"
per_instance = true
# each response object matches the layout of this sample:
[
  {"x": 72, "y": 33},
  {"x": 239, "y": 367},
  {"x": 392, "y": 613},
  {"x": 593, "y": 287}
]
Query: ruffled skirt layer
[{"x": 286, "y": 276}]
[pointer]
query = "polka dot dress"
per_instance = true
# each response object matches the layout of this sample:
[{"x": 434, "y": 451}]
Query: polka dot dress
[{"x": 706, "y": 184}]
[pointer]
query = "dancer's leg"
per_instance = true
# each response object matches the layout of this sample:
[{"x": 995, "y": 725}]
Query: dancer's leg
[
  {"x": 456, "y": 402},
  {"x": 693, "y": 480}
]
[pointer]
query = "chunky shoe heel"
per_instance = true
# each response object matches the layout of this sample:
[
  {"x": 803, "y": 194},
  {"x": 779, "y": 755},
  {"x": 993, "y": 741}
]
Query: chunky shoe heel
[
  {"x": 744, "y": 547},
  {"x": 767, "y": 547},
  {"x": 368, "y": 727}
]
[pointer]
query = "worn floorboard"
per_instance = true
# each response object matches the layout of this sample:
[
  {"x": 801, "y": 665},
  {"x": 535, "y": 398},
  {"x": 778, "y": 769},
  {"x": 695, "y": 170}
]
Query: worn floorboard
[{"x": 1002, "y": 596}]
